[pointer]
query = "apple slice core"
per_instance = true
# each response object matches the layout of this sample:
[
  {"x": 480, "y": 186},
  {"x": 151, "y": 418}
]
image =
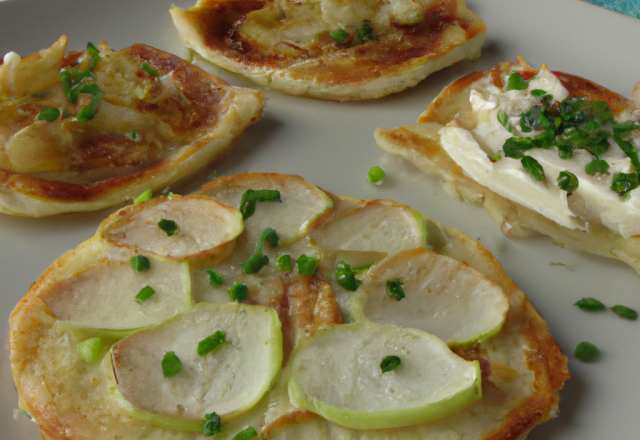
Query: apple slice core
[{"x": 337, "y": 374}]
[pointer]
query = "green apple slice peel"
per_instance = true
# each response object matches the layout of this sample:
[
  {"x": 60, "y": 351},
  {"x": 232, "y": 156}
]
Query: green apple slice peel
[{"x": 337, "y": 375}]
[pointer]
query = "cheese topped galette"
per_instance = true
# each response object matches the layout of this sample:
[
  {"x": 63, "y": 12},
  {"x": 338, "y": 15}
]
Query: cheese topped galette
[
  {"x": 543, "y": 151},
  {"x": 264, "y": 306},
  {"x": 332, "y": 49},
  {"x": 93, "y": 129}
]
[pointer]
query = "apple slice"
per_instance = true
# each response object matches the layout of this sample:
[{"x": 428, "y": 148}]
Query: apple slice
[
  {"x": 442, "y": 296},
  {"x": 103, "y": 296},
  {"x": 301, "y": 209},
  {"x": 373, "y": 226},
  {"x": 228, "y": 380},
  {"x": 191, "y": 228},
  {"x": 338, "y": 374}
]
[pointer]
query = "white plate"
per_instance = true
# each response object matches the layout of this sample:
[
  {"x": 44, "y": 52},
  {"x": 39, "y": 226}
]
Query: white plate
[{"x": 331, "y": 144}]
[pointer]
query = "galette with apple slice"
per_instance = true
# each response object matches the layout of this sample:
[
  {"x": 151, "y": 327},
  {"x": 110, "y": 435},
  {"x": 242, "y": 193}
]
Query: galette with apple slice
[{"x": 264, "y": 306}]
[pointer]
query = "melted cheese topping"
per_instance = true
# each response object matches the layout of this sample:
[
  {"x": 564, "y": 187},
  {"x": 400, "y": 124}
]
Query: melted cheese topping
[{"x": 483, "y": 136}]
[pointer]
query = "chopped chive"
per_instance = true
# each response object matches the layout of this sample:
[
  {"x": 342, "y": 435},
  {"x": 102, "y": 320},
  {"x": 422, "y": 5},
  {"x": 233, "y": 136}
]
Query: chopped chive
[
  {"x": 515, "y": 82},
  {"x": 284, "y": 263},
  {"x": 145, "y": 293},
  {"x": 365, "y": 33},
  {"x": 171, "y": 364},
  {"x": 586, "y": 352},
  {"x": 362, "y": 268},
  {"x": 212, "y": 424},
  {"x": 134, "y": 136},
  {"x": 536, "y": 93},
  {"x": 567, "y": 181},
  {"x": 146, "y": 67},
  {"x": 345, "y": 277},
  {"x": 495, "y": 158},
  {"x": 590, "y": 305},
  {"x": 390, "y": 363},
  {"x": 95, "y": 56},
  {"x": 503, "y": 118},
  {"x": 257, "y": 260},
  {"x": 140, "y": 263},
  {"x": 394, "y": 289},
  {"x": 90, "y": 350},
  {"x": 339, "y": 35},
  {"x": 213, "y": 174},
  {"x": 71, "y": 80},
  {"x": 238, "y": 292},
  {"x": 246, "y": 434},
  {"x": 376, "y": 175},
  {"x": 86, "y": 113},
  {"x": 622, "y": 183},
  {"x": 214, "y": 278},
  {"x": 48, "y": 114},
  {"x": 532, "y": 167},
  {"x": 168, "y": 226},
  {"x": 597, "y": 166},
  {"x": 250, "y": 197},
  {"x": 144, "y": 197},
  {"x": 210, "y": 343},
  {"x": 625, "y": 312},
  {"x": 306, "y": 265}
]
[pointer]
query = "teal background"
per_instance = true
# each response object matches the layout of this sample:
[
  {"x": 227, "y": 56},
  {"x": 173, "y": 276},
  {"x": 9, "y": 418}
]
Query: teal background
[{"x": 629, "y": 7}]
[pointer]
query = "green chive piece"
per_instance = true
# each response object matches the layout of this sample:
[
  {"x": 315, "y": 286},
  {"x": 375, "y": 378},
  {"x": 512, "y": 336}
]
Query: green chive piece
[
  {"x": 532, "y": 167},
  {"x": 567, "y": 181},
  {"x": 376, "y": 175},
  {"x": 48, "y": 114},
  {"x": 624, "y": 128},
  {"x": 171, "y": 364},
  {"x": 90, "y": 350},
  {"x": 140, "y": 263},
  {"x": 586, "y": 352},
  {"x": 214, "y": 278},
  {"x": 365, "y": 33},
  {"x": 146, "y": 67},
  {"x": 95, "y": 56},
  {"x": 503, "y": 118},
  {"x": 306, "y": 265},
  {"x": 71, "y": 80},
  {"x": 590, "y": 305},
  {"x": 339, "y": 35},
  {"x": 210, "y": 343},
  {"x": 86, "y": 113},
  {"x": 258, "y": 260},
  {"x": 145, "y": 293},
  {"x": 515, "y": 82},
  {"x": 212, "y": 424},
  {"x": 144, "y": 197},
  {"x": 536, "y": 93},
  {"x": 238, "y": 292},
  {"x": 394, "y": 289},
  {"x": 250, "y": 197},
  {"x": 246, "y": 434},
  {"x": 390, "y": 363},
  {"x": 597, "y": 166},
  {"x": 168, "y": 226},
  {"x": 345, "y": 277},
  {"x": 362, "y": 268},
  {"x": 622, "y": 183},
  {"x": 625, "y": 312},
  {"x": 134, "y": 136},
  {"x": 284, "y": 263},
  {"x": 495, "y": 158}
]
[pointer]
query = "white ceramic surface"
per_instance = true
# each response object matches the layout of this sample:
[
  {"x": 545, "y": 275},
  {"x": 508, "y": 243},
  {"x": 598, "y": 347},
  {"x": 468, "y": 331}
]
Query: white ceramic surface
[{"x": 331, "y": 144}]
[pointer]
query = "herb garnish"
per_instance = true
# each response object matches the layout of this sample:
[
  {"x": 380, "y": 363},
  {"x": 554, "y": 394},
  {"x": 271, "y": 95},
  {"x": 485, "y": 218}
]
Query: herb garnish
[
  {"x": 145, "y": 293},
  {"x": 146, "y": 67},
  {"x": 376, "y": 175},
  {"x": 250, "y": 197},
  {"x": 95, "y": 56},
  {"x": 340, "y": 35},
  {"x": 590, "y": 305},
  {"x": 567, "y": 181},
  {"x": 597, "y": 166},
  {"x": 212, "y": 424},
  {"x": 144, "y": 197},
  {"x": 625, "y": 312},
  {"x": 171, "y": 364},
  {"x": 532, "y": 167},
  {"x": 134, "y": 136},
  {"x": 345, "y": 277},
  {"x": 168, "y": 226},
  {"x": 87, "y": 112},
  {"x": 212, "y": 342},
  {"x": 140, "y": 263},
  {"x": 48, "y": 114},
  {"x": 306, "y": 265},
  {"x": 257, "y": 261},
  {"x": 390, "y": 363},
  {"x": 238, "y": 292},
  {"x": 214, "y": 278},
  {"x": 284, "y": 263},
  {"x": 365, "y": 33},
  {"x": 246, "y": 434},
  {"x": 586, "y": 352},
  {"x": 394, "y": 289},
  {"x": 515, "y": 82}
]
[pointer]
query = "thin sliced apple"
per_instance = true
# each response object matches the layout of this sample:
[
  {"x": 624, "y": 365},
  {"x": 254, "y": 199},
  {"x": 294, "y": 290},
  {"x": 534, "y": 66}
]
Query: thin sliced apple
[
  {"x": 228, "y": 381},
  {"x": 337, "y": 374},
  {"x": 443, "y": 296},
  {"x": 374, "y": 226},
  {"x": 205, "y": 234},
  {"x": 301, "y": 210},
  {"x": 103, "y": 296}
]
